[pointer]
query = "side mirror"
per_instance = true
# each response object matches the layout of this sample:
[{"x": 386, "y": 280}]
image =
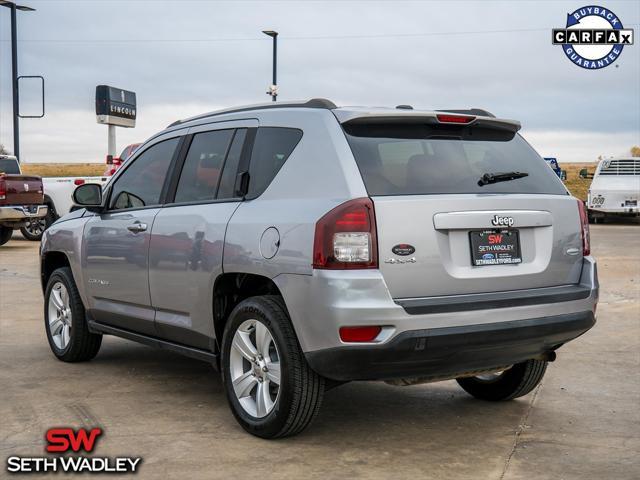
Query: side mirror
[
  {"x": 88, "y": 195},
  {"x": 583, "y": 173}
]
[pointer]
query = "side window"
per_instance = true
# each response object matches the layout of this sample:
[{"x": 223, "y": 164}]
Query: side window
[
  {"x": 271, "y": 148},
  {"x": 202, "y": 167},
  {"x": 141, "y": 183},
  {"x": 228, "y": 180}
]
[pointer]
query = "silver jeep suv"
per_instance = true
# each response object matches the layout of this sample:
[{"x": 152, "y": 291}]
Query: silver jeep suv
[{"x": 298, "y": 246}]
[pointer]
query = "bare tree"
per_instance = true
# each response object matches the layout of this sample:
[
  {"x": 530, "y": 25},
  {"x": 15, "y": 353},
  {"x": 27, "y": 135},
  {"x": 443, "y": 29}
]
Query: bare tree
[
  {"x": 3, "y": 151},
  {"x": 635, "y": 151}
]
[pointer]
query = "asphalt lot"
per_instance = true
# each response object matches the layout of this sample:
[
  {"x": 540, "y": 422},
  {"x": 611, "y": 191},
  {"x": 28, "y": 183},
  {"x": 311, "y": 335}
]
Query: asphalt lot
[{"x": 582, "y": 422}]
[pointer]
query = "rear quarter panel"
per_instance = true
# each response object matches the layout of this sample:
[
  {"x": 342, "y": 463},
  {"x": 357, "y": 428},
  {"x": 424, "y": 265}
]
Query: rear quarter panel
[{"x": 319, "y": 174}]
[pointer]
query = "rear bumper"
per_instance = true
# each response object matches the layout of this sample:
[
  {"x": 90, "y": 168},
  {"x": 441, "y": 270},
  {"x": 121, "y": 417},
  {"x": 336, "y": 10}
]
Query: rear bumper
[
  {"x": 22, "y": 213},
  {"x": 622, "y": 202},
  {"x": 451, "y": 351},
  {"x": 622, "y": 211},
  {"x": 483, "y": 301},
  {"x": 321, "y": 303}
]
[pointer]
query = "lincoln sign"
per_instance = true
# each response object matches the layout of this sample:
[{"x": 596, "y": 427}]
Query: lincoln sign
[{"x": 115, "y": 106}]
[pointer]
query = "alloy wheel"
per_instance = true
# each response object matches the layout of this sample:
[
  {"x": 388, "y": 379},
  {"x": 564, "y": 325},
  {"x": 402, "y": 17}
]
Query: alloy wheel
[
  {"x": 60, "y": 317},
  {"x": 36, "y": 227},
  {"x": 254, "y": 365}
]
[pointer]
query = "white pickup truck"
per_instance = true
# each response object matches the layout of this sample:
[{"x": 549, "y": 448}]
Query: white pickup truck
[
  {"x": 58, "y": 193},
  {"x": 615, "y": 189}
]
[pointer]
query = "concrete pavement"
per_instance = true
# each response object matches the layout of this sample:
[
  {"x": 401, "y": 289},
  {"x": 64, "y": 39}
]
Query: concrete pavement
[{"x": 581, "y": 423}]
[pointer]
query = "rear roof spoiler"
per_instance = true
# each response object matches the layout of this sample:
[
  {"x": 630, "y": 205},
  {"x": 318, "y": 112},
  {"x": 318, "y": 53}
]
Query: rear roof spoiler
[
  {"x": 415, "y": 117},
  {"x": 479, "y": 112}
]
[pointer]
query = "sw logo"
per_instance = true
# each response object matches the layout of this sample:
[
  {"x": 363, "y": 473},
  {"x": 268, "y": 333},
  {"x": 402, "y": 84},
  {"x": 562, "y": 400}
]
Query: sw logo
[
  {"x": 65, "y": 440},
  {"x": 495, "y": 238}
]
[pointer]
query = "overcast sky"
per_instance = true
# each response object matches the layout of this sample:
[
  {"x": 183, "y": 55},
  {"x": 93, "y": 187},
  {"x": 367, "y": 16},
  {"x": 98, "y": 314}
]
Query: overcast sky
[{"x": 192, "y": 56}]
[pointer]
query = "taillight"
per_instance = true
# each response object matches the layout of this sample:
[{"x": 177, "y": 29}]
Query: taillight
[
  {"x": 455, "y": 118},
  {"x": 359, "y": 334},
  {"x": 345, "y": 238},
  {"x": 584, "y": 228},
  {"x": 3, "y": 189},
  {"x": 78, "y": 181}
]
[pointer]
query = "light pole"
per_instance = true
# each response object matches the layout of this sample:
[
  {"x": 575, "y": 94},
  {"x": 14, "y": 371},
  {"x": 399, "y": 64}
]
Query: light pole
[
  {"x": 273, "y": 89},
  {"x": 14, "y": 70}
]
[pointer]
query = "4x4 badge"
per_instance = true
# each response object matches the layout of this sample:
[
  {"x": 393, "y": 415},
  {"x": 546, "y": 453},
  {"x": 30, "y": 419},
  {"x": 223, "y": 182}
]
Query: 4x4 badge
[{"x": 394, "y": 261}]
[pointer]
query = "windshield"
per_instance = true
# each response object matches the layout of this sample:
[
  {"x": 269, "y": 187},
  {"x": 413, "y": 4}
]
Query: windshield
[
  {"x": 10, "y": 166},
  {"x": 416, "y": 159}
]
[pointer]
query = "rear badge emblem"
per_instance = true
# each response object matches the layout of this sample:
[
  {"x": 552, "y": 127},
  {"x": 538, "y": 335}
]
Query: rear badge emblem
[
  {"x": 499, "y": 221},
  {"x": 396, "y": 261},
  {"x": 403, "y": 249}
]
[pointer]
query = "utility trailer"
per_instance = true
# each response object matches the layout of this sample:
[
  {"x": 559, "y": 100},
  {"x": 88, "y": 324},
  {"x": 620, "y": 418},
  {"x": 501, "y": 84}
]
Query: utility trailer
[{"x": 615, "y": 189}]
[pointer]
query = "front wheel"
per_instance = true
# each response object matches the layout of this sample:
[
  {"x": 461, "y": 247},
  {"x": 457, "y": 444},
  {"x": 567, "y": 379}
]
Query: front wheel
[
  {"x": 271, "y": 389},
  {"x": 65, "y": 322},
  {"x": 512, "y": 383}
]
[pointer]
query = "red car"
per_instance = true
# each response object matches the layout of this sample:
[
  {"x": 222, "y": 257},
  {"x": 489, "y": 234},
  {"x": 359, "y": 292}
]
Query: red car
[{"x": 114, "y": 163}]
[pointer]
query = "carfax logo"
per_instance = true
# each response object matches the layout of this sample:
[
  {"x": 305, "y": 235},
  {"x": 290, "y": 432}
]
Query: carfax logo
[{"x": 593, "y": 38}]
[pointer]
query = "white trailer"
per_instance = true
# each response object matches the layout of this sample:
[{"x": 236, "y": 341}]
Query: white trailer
[{"x": 615, "y": 189}]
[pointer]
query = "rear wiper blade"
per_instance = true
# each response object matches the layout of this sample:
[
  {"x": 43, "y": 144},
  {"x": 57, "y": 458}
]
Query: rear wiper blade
[{"x": 488, "y": 178}]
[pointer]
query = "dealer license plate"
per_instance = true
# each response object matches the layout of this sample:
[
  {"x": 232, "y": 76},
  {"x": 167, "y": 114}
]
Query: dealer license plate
[{"x": 495, "y": 247}]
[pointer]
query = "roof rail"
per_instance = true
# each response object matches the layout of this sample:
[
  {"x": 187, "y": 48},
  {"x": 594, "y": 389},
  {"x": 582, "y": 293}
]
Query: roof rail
[
  {"x": 471, "y": 111},
  {"x": 313, "y": 103}
]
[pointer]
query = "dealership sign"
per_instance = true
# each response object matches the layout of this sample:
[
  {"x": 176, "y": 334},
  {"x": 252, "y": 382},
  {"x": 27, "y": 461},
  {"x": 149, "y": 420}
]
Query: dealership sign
[
  {"x": 115, "y": 106},
  {"x": 593, "y": 37}
]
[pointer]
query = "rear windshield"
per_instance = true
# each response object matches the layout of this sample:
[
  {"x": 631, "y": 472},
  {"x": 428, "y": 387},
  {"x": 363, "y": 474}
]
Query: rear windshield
[
  {"x": 416, "y": 159},
  {"x": 9, "y": 165}
]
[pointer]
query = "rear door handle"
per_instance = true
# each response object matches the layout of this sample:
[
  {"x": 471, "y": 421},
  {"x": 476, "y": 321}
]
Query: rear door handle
[{"x": 137, "y": 227}]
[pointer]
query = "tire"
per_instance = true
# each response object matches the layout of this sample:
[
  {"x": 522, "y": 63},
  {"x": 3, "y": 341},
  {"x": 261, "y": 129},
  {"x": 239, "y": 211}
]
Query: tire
[
  {"x": 515, "y": 382},
  {"x": 77, "y": 344},
  {"x": 5, "y": 234},
  {"x": 299, "y": 394},
  {"x": 36, "y": 228}
]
